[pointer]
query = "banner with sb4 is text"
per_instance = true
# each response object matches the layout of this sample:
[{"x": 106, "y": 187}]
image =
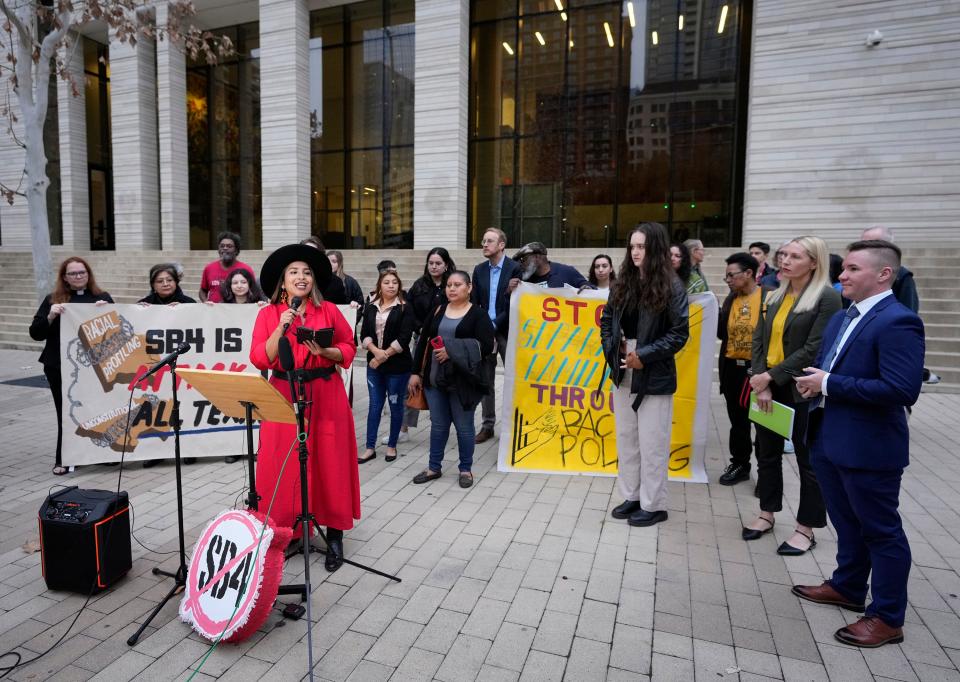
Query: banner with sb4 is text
[
  {"x": 555, "y": 420},
  {"x": 103, "y": 349}
]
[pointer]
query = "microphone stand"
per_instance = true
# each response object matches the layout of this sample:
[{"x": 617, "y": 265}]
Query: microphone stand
[
  {"x": 180, "y": 576},
  {"x": 305, "y": 517}
]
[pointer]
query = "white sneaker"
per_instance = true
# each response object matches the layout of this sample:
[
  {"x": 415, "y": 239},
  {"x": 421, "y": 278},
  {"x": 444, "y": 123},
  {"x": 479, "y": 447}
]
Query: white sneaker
[
  {"x": 932, "y": 379},
  {"x": 788, "y": 447},
  {"x": 402, "y": 438}
]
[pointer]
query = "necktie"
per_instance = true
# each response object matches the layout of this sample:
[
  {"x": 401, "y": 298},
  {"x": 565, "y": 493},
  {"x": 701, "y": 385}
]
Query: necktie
[{"x": 852, "y": 314}]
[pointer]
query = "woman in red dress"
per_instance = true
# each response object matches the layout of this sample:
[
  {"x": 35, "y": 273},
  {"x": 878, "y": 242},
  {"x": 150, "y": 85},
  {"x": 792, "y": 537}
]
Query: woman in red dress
[{"x": 298, "y": 271}]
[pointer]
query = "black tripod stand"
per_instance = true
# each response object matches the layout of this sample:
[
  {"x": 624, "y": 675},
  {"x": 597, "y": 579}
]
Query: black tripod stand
[
  {"x": 180, "y": 576},
  {"x": 306, "y": 519}
]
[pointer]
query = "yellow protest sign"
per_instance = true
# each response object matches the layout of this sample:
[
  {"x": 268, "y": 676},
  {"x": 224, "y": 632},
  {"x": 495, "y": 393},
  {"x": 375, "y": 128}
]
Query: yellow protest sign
[{"x": 555, "y": 419}]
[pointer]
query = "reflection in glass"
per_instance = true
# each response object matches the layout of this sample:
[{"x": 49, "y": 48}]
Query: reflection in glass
[
  {"x": 613, "y": 115},
  {"x": 99, "y": 155},
  {"x": 223, "y": 133},
  {"x": 361, "y": 101}
]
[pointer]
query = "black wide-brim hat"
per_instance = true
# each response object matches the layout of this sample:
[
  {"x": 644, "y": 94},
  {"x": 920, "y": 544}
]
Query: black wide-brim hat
[{"x": 273, "y": 268}]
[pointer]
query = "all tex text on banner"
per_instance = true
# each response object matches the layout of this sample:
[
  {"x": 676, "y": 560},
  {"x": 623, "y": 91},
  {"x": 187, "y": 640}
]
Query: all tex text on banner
[
  {"x": 555, "y": 419},
  {"x": 104, "y": 349}
]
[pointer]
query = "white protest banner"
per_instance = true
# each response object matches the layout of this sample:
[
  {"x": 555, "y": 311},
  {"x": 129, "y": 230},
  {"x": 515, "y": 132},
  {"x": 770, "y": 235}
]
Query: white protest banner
[
  {"x": 103, "y": 349},
  {"x": 554, "y": 419}
]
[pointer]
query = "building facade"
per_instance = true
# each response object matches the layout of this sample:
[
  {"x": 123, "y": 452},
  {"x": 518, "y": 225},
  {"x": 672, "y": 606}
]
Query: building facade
[{"x": 417, "y": 123}]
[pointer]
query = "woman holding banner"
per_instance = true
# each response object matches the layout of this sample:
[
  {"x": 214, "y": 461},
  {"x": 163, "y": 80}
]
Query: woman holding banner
[
  {"x": 785, "y": 340},
  {"x": 299, "y": 273},
  {"x": 75, "y": 284},
  {"x": 642, "y": 327}
]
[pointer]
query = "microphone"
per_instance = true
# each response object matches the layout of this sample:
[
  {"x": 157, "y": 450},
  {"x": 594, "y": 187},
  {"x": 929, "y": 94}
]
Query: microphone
[
  {"x": 286, "y": 354},
  {"x": 167, "y": 360},
  {"x": 294, "y": 304}
]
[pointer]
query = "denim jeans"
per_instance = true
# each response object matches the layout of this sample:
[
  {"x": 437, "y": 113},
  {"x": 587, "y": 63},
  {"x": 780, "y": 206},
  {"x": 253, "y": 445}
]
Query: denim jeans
[
  {"x": 390, "y": 388},
  {"x": 445, "y": 409}
]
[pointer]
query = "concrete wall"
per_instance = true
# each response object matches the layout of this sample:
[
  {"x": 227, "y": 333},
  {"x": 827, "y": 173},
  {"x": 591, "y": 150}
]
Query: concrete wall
[{"x": 842, "y": 135}]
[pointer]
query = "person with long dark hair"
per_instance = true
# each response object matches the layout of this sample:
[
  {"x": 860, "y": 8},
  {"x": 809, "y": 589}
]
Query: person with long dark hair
[
  {"x": 426, "y": 294},
  {"x": 447, "y": 366},
  {"x": 75, "y": 284},
  {"x": 385, "y": 335},
  {"x": 301, "y": 272},
  {"x": 351, "y": 286},
  {"x": 643, "y": 326},
  {"x": 241, "y": 287},
  {"x": 786, "y": 341},
  {"x": 428, "y": 291},
  {"x": 683, "y": 266},
  {"x": 601, "y": 274}
]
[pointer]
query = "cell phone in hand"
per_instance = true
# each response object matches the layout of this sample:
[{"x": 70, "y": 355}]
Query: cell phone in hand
[
  {"x": 795, "y": 373},
  {"x": 437, "y": 342}
]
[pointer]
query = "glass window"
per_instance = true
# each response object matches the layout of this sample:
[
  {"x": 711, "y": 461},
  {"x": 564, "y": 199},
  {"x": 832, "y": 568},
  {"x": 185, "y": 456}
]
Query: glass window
[
  {"x": 588, "y": 116},
  {"x": 223, "y": 131},
  {"x": 96, "y": 64},
  {"x": 362, "y": 114}
]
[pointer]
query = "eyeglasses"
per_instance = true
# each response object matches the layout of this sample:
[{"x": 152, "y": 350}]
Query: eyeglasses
[
  {"x": 731, "y": 275},
  {"x": 490, "y": 241},
  {"x": 164, "y": 281},
  {"x": 78, "y": 273}
]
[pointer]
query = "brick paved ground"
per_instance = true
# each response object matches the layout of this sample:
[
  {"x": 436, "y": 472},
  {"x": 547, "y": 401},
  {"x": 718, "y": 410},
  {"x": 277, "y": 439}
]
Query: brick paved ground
[{"x": 521, "y": 577}]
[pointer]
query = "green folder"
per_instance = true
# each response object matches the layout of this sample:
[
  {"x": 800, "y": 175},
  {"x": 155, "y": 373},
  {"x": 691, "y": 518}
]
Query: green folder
[{"x": 780, "y": 420}]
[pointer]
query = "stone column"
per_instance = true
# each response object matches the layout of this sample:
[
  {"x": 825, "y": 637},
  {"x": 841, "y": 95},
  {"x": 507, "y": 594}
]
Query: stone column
[
  {"x": 74, "y": 189},
  {"x": 284, "y": 120},
  {"x": 440, "y": 123},
  {"x": 172, "y": 139},
  {"x": 133, "y": 118}
]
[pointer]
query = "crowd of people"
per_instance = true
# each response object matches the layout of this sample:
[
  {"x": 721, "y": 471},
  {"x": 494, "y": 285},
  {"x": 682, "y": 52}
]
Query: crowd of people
[{"x": 836, "y": 340}]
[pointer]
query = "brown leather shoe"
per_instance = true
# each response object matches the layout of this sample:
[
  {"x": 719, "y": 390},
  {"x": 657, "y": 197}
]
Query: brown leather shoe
[
  {"x": 869, "y": 632},
  {"x": 825, "y": 594},
  {"x": 483, "y": 436}
]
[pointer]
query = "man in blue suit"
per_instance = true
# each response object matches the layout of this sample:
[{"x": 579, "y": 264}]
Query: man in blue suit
[
  {"x": 868, "y": 371},
  {"x": 492, "y": 293}
]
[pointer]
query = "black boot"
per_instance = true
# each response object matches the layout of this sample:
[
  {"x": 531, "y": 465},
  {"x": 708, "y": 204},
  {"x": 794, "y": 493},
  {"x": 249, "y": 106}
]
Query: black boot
[{"x": 334, "y": 549}]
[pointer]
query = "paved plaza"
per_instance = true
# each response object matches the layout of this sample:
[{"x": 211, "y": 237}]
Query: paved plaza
[{"x": 520, "y": 577}]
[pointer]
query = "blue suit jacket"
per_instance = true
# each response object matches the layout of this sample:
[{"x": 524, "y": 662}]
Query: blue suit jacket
[
  {"x": 481, "y": 291},
  {"x": 877, "y": 373}
]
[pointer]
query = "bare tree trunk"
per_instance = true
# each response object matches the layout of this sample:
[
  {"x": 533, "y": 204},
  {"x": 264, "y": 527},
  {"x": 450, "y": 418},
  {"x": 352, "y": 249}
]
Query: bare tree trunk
[
  {"x": 37, "y": 184},
  {"x": 32, "y": 89}
]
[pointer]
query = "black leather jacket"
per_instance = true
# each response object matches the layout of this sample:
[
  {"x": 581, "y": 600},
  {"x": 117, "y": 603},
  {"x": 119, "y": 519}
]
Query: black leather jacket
[{"x": 659, "y": 336}]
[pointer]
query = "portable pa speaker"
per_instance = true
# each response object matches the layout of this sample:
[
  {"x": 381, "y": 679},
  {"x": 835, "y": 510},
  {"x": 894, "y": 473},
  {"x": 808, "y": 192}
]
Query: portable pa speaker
[{"x": 84, "y": 539}]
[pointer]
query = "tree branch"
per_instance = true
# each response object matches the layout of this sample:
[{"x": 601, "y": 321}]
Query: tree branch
[{"x": 26, "y": 35}]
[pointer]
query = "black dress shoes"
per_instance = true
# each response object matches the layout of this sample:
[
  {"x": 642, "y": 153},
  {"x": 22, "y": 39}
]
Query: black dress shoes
[
  {"x": 754, "y": 534},
  {"x": 786, "y": 549},
  {"x": 623, "y": 511},
  {"x": 334, "y": 558},
  {"x": 734, "y": 474},
  {"x": 646, "y": 518}
]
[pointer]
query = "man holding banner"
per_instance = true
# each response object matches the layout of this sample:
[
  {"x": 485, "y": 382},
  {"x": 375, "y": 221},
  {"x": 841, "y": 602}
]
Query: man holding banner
[{"x": 643, "y": 326}]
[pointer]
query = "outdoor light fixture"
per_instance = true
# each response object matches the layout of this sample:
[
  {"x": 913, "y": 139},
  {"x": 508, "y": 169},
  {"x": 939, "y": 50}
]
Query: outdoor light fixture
[
  {"x": 563, "y": 15},
  {"x": 723, "y": 19},
  {"x": 680, "y": 23},
  {"x": 506, "y": 46},
  {"x": 540, "y": 38},
  {"x": 559, "y": 5},
  {"x": 606, "y": 27},
  {"x": 633, "y": 18},
  {"x": 655, "y": 38}
]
